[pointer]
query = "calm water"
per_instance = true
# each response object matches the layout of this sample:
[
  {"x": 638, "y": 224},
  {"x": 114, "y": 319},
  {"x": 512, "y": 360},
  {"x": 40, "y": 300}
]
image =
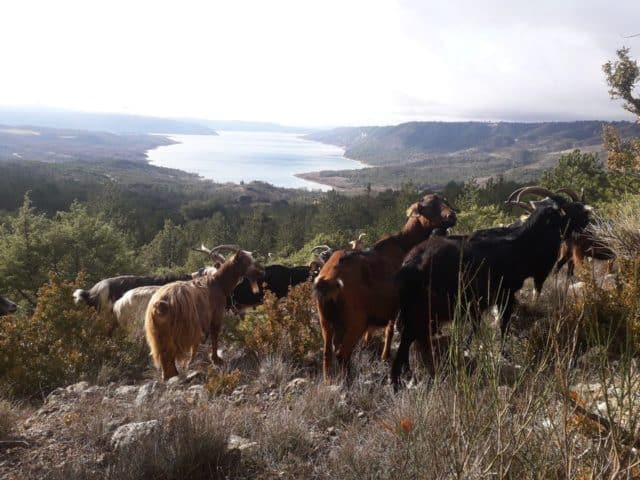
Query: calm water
[{"x": 246, "y": 156}]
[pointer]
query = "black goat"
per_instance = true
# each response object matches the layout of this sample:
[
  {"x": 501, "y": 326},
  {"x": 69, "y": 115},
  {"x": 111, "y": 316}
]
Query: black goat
[
  {"x": 277, "y": 279},
  {"x": 7, "y": 307},
  {"x": 484, "y": 269},
  {"x": 105, "y": 293}
]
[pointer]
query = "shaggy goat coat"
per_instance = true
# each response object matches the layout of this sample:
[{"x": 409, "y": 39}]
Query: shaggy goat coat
[{"x": 181, "y": 315}]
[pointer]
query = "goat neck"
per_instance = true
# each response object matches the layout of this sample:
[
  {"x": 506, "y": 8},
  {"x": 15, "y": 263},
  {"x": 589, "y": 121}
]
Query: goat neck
[
  {"x": 416, "y": 230},
  {"x": 231, "y": 272}
]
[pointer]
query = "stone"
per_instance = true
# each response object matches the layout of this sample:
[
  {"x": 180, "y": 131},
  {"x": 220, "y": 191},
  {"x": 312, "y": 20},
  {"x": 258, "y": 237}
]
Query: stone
[
  {"x": 125, "y": 390},
  {"x": 173, "y": 382},
  {"x": 147, "y": 393},
  {"x": 77, "y": 387},
  {"x": 297, "y": 384},
  {"x": 240, "y": 443},
  {"x": 195, "y": 376},
  {"x": 131, "y": 433}
]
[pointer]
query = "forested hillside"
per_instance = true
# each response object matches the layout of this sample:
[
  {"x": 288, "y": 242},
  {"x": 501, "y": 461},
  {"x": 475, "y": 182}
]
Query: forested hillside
[{"x": 433, "y": 153}]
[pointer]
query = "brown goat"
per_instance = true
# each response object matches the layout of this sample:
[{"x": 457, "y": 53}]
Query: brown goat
[
  {"x": 180, "y": 315},
  {"x": 355, "y": 290},
  {"x": 581, "y": 245}
]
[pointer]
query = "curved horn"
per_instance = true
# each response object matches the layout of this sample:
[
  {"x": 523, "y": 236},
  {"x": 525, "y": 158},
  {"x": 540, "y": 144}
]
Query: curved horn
[
  {"x": 232, "y": 247},
  {"x": 534, "y": 190},
  {"x": 574, "y": 196},
  {"x": 523, "y": 205},
  {"x": 318, "y": 247},
  {"x": 515, "y": 194},
  {"x": 361, "y": 235},
  {"x": 202, "y": 249}
]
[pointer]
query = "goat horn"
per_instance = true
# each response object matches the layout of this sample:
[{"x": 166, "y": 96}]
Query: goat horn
[
  {"x": 317, "y": 247},
  {"x": 534, "y": 190},
  {"x": 515, "y": 194},
  {"x": 523, "y": 205},
  {"x": 202, "y": 249},
  {"x": 574, "y": 196},
  {"x": 361, "y": 235},
  {"x": 232, "y": 247}
]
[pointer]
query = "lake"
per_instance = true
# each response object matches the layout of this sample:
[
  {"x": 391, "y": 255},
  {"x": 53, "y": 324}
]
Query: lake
[{"x": 245, "y": 156}]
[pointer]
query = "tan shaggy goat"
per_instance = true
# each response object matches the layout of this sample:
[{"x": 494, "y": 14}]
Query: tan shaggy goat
[{"x": 182, "y": 314}]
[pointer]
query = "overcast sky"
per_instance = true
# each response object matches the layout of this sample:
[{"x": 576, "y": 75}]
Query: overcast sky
[{"x": 328, "y": 62}]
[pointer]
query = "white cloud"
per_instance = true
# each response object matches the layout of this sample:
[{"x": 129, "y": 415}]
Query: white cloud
[{"x": 330, "y": 62}]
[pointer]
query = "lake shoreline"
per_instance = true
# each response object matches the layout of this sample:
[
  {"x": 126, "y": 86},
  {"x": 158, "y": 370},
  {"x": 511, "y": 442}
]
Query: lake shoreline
[{"x": 282, "y": 160}]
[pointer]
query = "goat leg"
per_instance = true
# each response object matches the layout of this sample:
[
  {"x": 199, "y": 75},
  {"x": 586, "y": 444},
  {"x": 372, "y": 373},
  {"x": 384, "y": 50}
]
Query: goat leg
[
  {"x": 327, "y": 337},
  {"x": 215, "y": 358},
  {"x": 388, "y": 337}
]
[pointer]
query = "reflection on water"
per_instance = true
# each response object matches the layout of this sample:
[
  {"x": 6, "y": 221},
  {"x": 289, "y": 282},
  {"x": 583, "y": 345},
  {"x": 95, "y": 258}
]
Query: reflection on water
[{"x": 246, "y": 156}]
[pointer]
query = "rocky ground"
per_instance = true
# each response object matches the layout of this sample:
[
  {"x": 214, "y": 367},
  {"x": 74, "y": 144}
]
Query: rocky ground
[{"x": 275, "y": 425}]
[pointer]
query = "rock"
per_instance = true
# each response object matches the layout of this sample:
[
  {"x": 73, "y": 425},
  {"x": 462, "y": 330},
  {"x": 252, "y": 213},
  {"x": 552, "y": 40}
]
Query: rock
[
  {"x": 240, "y": 443},
  {"x": 147, "y": 393},
  {"x": 125, "y": 390},
  {"x": 173, "y": 382},
  {"x": 196, "y": 394},
  {"x": 131, "y": 433},
  {"x": 77, "y": 387},
  {"x": 95, "y": 390},
  {"x": 195, "y": 376},
  {"x": 297, "y": 384}
]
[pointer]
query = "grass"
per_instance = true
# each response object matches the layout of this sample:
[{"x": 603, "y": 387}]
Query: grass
[{"x": 567, "y": 406}]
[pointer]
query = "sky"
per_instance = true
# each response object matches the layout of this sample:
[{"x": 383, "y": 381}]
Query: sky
[{"x": 318, "y": 63}]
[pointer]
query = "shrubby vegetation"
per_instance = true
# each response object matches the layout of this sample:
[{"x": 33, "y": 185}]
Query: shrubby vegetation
[{"x": 43, "y": 256}]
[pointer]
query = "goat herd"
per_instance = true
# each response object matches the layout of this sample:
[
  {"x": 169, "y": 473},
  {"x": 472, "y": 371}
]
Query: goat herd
[{"x": 412, "y": 281}]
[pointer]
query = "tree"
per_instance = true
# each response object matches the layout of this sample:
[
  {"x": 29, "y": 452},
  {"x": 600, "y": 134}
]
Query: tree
[
  {"x": 168, "y": 250},
  {"x": 623, "y": 156},
  {"x": 578, "y": 170},
  {"x": 622, "y": 76}
]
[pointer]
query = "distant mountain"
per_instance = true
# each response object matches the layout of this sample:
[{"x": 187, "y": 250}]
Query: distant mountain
[
  {"x": 104, "y": 122},
  {"x": 433, "y": 153},
  {"x": 419, "y": 141},
  {"x": 65, "y": 145},
  {"x": 246, "y": 126}
]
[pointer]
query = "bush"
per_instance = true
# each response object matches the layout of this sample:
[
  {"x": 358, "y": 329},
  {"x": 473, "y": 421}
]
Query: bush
[
  {"x": 476, "y": 218},
  {"x": 287, "y": 326},
  {"x": 62, "y": 343},
  {"x": 8, "y": 419}
]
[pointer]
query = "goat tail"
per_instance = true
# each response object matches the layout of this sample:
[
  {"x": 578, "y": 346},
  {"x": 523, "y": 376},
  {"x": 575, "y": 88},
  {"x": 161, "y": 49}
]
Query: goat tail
[
  {"x": 80, "y": 296},
  {"x": 155, "y": 315},
  {"x": 327, "y": 289}
]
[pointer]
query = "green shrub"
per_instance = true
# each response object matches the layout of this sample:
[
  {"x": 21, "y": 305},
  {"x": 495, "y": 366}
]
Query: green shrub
[
  {"x": 62, "y": 343},
  {"x": 287, "y": 326}
]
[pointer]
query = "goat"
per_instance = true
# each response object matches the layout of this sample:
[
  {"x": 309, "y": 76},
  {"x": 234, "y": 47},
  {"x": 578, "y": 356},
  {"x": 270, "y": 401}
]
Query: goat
[
  {"x": 354, "y": 290},
  {"x": 316, "y": 264},
  {"x": 358, "y": 243},
  {"x": 581, "y": 243},
  {"x": 105, "y": 293},
  {"x": 130, "y": 309},
  {"x": 181, "y": 315},
  {"x": 277, "y": 278},
  {"x": 478, "y": 271},
  {"x": 7, "y": 307}
]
